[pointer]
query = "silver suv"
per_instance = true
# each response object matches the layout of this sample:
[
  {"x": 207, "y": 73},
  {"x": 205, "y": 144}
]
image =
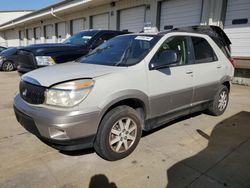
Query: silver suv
[{"x": 131, "y": 83}]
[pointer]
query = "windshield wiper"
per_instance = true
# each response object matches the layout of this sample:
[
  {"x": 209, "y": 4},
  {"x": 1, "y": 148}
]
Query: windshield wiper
[{"x": 125, "y": 55}]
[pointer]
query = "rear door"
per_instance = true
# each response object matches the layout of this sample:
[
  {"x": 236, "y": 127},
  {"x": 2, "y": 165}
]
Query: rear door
[
  {"x": 171, "y": 88},
  {"x": 208, "y": 70}
]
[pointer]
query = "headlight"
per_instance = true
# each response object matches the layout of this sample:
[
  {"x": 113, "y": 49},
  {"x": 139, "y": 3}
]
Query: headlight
[
  {"x": 68, "y": 94},
  {"x": 44, "y": 60},
  {"x": 1, "y": 58}
]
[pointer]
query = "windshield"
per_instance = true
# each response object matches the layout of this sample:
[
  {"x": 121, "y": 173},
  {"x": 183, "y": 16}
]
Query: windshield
[
  {"x": 9, "y": 51},
  {"x": 81, "y": 38},
  {"x": 124, "y": 50}
]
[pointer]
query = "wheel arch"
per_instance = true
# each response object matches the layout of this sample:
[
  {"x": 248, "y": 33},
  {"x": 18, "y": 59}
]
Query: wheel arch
[
  {"x": 226, "y": 81},
  {"x": 132, "y": 98}
]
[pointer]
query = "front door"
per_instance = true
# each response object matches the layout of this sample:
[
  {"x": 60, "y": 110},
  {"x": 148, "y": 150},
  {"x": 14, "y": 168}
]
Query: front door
[{"x": 171, "y": 88}]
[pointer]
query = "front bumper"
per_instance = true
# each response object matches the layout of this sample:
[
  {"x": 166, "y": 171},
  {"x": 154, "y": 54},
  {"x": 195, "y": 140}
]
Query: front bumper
[{"x": 63, "y": 130}]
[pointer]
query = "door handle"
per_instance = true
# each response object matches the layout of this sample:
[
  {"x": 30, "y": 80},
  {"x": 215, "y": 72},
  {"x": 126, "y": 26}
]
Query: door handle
[
  {"x": 189, "y": 72},
  {"x": 219, "y": 66}
]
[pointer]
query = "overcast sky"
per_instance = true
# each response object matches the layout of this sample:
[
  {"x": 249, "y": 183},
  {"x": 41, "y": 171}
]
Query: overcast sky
[{"x": 25, "y": 4}]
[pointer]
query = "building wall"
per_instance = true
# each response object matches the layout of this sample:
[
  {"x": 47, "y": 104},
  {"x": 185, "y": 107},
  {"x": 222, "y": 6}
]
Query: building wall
[{"x": 211, "y": 14}]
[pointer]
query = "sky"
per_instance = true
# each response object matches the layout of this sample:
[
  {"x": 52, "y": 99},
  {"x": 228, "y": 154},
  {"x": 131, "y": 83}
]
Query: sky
[{"x": 25, "y": 4}]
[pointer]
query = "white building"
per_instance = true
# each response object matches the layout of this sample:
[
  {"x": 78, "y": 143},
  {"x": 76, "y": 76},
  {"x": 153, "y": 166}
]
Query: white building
[
  {"x": 59, "y": 21},
  {"x": 6, "y": 16}
]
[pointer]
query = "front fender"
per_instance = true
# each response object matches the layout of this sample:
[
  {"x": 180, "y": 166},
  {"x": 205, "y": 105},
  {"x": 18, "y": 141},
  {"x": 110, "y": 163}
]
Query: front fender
[{"x": 123, "y": 95}]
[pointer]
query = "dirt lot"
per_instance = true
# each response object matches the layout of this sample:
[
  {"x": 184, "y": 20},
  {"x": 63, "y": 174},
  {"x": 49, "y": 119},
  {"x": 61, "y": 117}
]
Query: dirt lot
[{"x": 197, "y": 151}]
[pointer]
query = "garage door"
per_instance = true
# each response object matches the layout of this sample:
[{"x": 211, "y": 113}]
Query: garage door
[
  {"x": 48, "y": 31},
  {"x": 12, "y": 38},
  {"x": 180, "y": 13},
  {"x": 21, "y": 37},
  {"x": 132, "y": 19},
  {"x": 100, "y": 21},
  {"x": 38, "y": 33},
  {"x": 78, "y": 25},
  {"x": 61, "y": 32},
  {"x": 30, "y": 36},
  {"x": 237, "y": 26}
]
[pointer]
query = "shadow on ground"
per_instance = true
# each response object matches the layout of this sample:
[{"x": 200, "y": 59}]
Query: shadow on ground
[
  {"x": 101, "y": 181},
  {"x": 225, "y": 162}
]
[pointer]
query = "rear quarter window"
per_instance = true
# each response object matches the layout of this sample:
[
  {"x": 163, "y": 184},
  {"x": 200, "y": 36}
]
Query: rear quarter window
[{"x": 203, "y": 52}]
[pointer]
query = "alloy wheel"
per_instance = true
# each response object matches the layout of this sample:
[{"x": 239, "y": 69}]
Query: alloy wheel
[{"x": 122, "y": 135}]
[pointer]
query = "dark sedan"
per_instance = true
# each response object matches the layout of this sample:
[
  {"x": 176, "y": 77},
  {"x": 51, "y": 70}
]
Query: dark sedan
[
  {"x": 8, "y": 59},
  {"x": 2, "y": 48}
]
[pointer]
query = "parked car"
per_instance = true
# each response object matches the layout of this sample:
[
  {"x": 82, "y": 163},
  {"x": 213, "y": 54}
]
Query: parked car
[
  {"x": 2, "y": 48},
  {"x": 8, "y": 59},
  {"x": 130, "y": 83},
  {"x": 40, "y": 55}
]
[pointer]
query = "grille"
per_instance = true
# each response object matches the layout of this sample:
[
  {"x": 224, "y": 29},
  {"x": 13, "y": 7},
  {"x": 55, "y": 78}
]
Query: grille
[
  {"x": 26, "y": 59},
  {"x": 31, "y": 93}
]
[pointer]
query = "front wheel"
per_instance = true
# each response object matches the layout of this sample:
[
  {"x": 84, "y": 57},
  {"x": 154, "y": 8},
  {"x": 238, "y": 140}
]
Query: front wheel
[
  {"x": 118, "y": 134},
  {"x": 220, "y": 102},
  {"x": 8, "y": 66}
]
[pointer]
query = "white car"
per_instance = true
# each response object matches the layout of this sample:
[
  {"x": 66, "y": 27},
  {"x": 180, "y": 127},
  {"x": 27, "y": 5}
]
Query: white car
[{"x": 130, "y": 84}]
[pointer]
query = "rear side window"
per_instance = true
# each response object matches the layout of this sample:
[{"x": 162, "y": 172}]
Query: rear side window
[{"x": 203, "y": 52}]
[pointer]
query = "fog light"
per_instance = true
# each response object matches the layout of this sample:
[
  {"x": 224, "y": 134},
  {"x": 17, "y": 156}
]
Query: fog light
[{"x": 57, "y": 133}]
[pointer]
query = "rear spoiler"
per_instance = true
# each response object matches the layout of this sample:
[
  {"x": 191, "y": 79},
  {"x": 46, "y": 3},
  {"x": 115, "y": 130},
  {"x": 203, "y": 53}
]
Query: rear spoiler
[{"x": 213, "y": 31}]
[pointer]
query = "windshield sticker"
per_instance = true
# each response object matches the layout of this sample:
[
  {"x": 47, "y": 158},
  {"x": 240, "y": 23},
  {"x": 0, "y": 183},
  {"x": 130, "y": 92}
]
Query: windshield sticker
[
  {"x": 144, "y": 38},
  {"x": 86, "y": 37}
]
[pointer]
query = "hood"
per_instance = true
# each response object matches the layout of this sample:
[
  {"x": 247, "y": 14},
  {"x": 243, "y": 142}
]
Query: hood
[
  {"x": 51, "y": 75},
  {"x": 43, "y": 49}
]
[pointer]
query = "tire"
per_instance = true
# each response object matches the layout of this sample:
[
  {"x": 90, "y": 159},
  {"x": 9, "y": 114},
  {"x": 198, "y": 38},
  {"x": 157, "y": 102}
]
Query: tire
[
  {"x": 8, "y": 66},
  {"x": 218, "y": 106},
  {"x": 115, "y": 140}
]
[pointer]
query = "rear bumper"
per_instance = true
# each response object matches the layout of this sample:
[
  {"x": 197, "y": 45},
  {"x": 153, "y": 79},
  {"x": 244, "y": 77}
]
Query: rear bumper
[{"x": 63, "y": 130}]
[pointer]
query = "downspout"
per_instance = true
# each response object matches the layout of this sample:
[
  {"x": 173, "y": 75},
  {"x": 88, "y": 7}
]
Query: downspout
[{"x": 54, "y": 15}]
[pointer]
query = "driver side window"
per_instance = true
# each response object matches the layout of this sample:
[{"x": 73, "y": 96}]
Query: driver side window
[{"x": 177, "y": 44}]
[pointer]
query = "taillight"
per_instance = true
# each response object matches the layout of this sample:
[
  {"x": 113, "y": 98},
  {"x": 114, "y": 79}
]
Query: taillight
[{"x": 232, "y": 61}]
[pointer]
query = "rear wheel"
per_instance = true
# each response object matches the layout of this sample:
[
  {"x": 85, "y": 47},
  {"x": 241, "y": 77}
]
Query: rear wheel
[
  {"x": 118, "y": 134},
  {"x": 220, "y": 102},
  {"x": 8, "y": 66}
]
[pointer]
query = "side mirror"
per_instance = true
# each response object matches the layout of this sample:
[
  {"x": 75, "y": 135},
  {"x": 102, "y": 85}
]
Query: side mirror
[{"x": 164, "y": 59}]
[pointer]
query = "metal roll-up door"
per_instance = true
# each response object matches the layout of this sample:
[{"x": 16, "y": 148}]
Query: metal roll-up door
[
  {"x": 30, "y": 36},
  {"x": 12, "y": 38},
  {"x": 100, "y": 21},
  {"x": 180, "y": 13},
  {"x": 38, "y": 34},
  {"x": 21, "y": 37},
  {"x": 48, "y": 31},
  {"x": 78, "y": 25},
  {"x": 61, "y": 32},
  {"x": 132, "y": 19},
  {"x": 237, "y": 26}
]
